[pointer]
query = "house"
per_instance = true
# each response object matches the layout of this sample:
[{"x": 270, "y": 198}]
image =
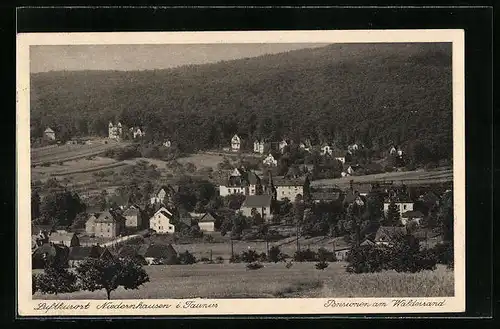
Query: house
[
  {"x": 386, "y": 234},
  {"x": 351, "y": 197},
  {"x": 290, "y": 188},
  {"x": 270, "y": 161},
  {"x": 326, "y": 149},
  {"x": 61, "y": 238},
  {"x": 49, "y": 134},
  {"x": 164, "y": 195},
  {"x": 109, "y": 224},
  {"x": 367, "y": 242},
  {"x": 241, "y": 181},
  {"x": 339, "y": 156},
  {"x": 395, "y": 151},
  {"x": 342, "y": 253},
  {"x": 361, "y": 189},
  {"x": 260, "y": 204},
  {"x": 282, "y": 145},
  {"x": 90, "y": 224},
  {"x": 133, "y": 217},
  {"x": 352, "y": 148},
  {"x": 131, "y": 251},
  {"x": 330, "y": 196},
  {"x": 78, "y": 254},
  {"x": 403, "y": 204},
  {"x": 158, "y": 253},
  {"x": 235, "y": 143},
  {"x": 161, "y": 221},
  {"x": 167, "y": 143},
  {"x": 137, "y": 132},
  {"x": 207, "y": 222},
  {"x": 259, "y": 146},
  {"x": 115, "y": 131},
  {"x": 411, "y": 217},
  {"x": 306, "y": 145}
]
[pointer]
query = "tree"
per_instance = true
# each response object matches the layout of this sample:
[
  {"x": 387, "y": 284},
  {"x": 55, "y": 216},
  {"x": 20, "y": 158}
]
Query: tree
[
  {"x": 61, "y": 208},
  {"x": 35, "y": 204},
  {"x": 56, "y": 279},
  {"x": 406, "y": 256},
  {"x": 187, "y": 258},
  {"x": 445, "y": 217},
  {"x": 393, "y": 216},
  {"x": 109, "y": 274},
  {"x": 274, "y": 254}
]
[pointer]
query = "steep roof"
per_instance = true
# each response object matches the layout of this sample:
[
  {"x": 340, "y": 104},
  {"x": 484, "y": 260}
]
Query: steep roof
[
  {"x": 131, "y": 212},
  {"x": 254, "y": 201},
  {"x": 207, "y": 218},
  {"x": 82, "y": 252},
  {"x": 108, "y": 217},
  {"x": 252, "y": 178},
  {"x": 412, "y": 214},
  {"x": 129, "y": 250},
  {"x": 49, "y": 130},
  {"x": 387, "y": 233},
  {"x": 158, "y": 251}
]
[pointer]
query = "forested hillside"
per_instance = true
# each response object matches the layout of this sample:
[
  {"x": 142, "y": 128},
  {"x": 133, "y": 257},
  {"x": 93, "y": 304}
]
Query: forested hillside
[{"x": 371, "y": 93}]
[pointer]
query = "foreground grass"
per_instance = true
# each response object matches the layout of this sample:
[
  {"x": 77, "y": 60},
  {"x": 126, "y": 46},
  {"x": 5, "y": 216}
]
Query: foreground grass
[{"x": 275, "y": 281}]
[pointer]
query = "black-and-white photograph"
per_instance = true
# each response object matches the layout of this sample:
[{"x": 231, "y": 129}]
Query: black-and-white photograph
[{"x": 242, "y": 170}]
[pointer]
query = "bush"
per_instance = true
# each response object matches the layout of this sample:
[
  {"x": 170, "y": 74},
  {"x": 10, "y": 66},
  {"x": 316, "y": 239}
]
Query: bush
[
  {"x": 235, "y": 259},
  {"x": 219, "y": 260},
  {"x": 204, "y": 259},
  {"x": 186, "y": 258},
  {"x": 56, "y": 280},
  {"x": 249, "y": 256},
  {"x": 305, "y": 256},
  {"x": 406, "y": 255},
  {"x": 274, "y": 254},
  {"x": 263, "y": 257},
  {"x": 443, "y": 252},
  {"x": 34, "y": 283},
  {"x": 367, "y": 259},
  {"x": 254, "y": 266},
  {"x": 321, "y": 265},
  {"x": 326, "y": 256}
]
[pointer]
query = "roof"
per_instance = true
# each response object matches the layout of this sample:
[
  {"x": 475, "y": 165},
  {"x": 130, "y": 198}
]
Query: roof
[
  {"x": 129, "y": 250},
  {"x": 253, "y": 201},
  {"x": 82, "y": 252},
  {"x": 49, "y": 130},
  {"x": 282, "y": 181},
  {"x": 399, "y": 199},
  {"x": 158, "y": 251},
  {"x": 207, "y": 218},
  {"x": 131, "y": 212},
  {"x": 362, "y": 188},
  {"x": 325, "y": 196},
  {"x": 252, "y": 178},
  {"x": 107, "y": 217},
  {"x": 389, "y": 232},
  {"x": 367, "y": 242},
  {"x": 412, "y": 214}
]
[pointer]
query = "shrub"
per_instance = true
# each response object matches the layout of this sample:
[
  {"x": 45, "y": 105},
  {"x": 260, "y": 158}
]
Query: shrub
[
  {"x": 326, "y": 256},
  {"x": 56, "y": 280},
  {"x": 254, "y": 266},
  {"x": 443, "y": 252},
  {"x": 367, "y": 259},
  {"x": 321, "y": 265},
  {"x": 187, "y": 258},
  {"x": 219, "y": 260},
  {"x": 274, "y": 254},
  {"x": 305, "y": 256},
  {"x": 249, "y": 256},
  {"x": 235, "y": 259},
  {"x": 204, "y": 259},
  {"x": 263, "y": 257},
  {"x": 34, "y": 283},
  {"x": 406, "y": 255}
]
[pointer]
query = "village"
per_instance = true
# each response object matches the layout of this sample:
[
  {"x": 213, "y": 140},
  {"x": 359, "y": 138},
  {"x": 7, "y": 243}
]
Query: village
[{"x": 277, "y": 209}]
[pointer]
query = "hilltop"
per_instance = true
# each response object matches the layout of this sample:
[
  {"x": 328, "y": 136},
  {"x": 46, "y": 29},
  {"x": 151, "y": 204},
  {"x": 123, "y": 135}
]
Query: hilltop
[{"x": 366, "y": 92}]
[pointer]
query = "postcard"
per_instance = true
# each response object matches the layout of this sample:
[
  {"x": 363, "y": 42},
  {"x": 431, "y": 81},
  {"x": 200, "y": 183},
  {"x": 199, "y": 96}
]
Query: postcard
[{"x": 240, "y": 173}]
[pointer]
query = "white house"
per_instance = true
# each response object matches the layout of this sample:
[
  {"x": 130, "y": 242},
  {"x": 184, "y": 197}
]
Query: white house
[
  {"x": 258, "y": 147},
  {"x": 241, "y": 182},
  {"x": 207, "y": 223},
  {"x": 49, "y": 134},
  {"x": 137, "y": 132},
  {"x": 290, "y": 188},
  {"x": 115, "y": 131},
  {"x": 412, "y": 216},
  {"x": 167, "y": 143},
  {"x": 270, "y": 161},
  {"x": 257, "y": 204},
  {"x": 326, "y": 150},
  {"x": 403, "y": 206},
  {"x": 235, "y": 143},
  {"x": 161, "y": 221},
  {"x": 306, "y": 146}
]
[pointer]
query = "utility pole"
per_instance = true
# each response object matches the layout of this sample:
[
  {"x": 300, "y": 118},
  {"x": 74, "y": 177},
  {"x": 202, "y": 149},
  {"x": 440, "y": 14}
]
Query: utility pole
[
  {"x": 210, "y": 255},
  {"x": 232, "y": 249}
]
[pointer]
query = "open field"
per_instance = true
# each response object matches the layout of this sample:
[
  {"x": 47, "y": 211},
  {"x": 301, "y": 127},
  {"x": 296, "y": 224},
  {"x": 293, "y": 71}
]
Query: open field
[
  {"x": 275, "y": 281},
  {"x": 416, "y": 177},
  {"x": 203, "y": 160},
  {"x": 65, "y": 153},
  {"x": 75, "y": 167}
]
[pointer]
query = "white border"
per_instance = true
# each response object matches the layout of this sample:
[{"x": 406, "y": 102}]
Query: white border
[{"x": 26, "y": 306}]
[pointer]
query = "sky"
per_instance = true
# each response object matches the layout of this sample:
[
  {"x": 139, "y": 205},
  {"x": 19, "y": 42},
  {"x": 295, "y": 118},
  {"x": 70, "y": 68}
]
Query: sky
[{"x": 146, "y": 57}]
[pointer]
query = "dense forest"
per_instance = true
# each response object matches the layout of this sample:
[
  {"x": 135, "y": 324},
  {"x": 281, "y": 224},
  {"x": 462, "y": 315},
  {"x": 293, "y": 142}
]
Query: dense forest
[{"x": 374, "y": 94}]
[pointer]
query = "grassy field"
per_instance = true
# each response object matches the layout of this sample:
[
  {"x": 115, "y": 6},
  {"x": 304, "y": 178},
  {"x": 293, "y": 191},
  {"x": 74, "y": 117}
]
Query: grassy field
[
  {"x": 65, "y": 153},
  {"x": 407, "y": 177},
  {"x": 276, "y": 281},
  {"x": 203, "y": 160}
]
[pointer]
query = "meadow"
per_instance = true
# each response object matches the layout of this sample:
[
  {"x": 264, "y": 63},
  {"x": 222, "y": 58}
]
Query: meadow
[
  {"x": 302, "y": 280},
  {"x": 416, "y": 177}
]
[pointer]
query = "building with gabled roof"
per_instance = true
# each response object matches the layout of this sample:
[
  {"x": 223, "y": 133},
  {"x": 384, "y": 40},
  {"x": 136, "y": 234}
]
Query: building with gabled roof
[
  {"x": 235, "y": 143},
  {"x": 133, "y": 217},
  {"x": 207, "y": 222},
  {"x": 257, "y": 204},
  {"x": 290, "y": 188},
  {"x": 158, "y": 253},
  {"x": 109, "y": 224},
  {"x": 241, "y": 181},
  {"x": 386, "y": 234},
  {"x": 161, "y": 221},
  {"x": 49, "y": 134}
]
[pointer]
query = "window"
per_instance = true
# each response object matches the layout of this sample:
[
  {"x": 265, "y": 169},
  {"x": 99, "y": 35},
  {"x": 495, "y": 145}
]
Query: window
[{"x": 404, "y": 207}]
